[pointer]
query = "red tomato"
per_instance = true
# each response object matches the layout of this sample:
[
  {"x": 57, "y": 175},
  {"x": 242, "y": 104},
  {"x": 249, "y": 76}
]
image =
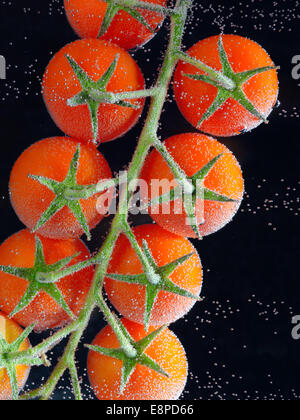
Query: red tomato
[
  {"x": 60, "y": 84},
  {"x": 86, "y": 18},
  {"x": 19, "y": 251},
  {"x": 144, "y": 384},
  {"x": 10, "y": 332},
  {"x": 129, "y": 299},
  {"x": 51, "y": 158},
  {"x": 194, "y": 97},
  {"x": 192, "y": 152}
]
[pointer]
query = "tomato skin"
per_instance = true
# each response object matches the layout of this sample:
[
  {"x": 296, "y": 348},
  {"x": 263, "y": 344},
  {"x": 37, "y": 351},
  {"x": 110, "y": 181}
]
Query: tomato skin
[
  {"x": 19, "y": 251},
  {"x": 60, "y": 84},
  {"x": 10, "y": 330},
  {"x": 52, "y": 158},
  {"x": 195, "y": 97},
  {"x": 86, "y": 18},
  {"x": 192, "y": 152},
  {"x": 129, "y": 299},
  {"x": 144, "y": 384}
]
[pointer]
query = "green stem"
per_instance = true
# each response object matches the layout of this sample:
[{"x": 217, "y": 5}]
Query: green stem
[
  {"x": 111, "y": 319},
  {"x": 75, "y": 381},
  {"x": 112, "y": 98},
  {"x": 215, "y": 75},
  {"x": 57, "y": 275},
  {"x": 148, "y": 270},
  {"x": 62, "y": 366},
  {"x": 178, "y": 173},
  {"x": 84, "y": 192},
  {"x": 31, "y": 395},
  {"x": 147, "y": 139},
  {"x": 49, "y": 343}
]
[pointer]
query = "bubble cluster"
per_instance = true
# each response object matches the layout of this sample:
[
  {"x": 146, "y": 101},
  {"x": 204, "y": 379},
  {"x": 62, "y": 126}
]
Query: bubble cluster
[
  {"x": 217, "y": 379},
  {"x": 274, "y": 16},
  {"x": 273, "y": 202}
]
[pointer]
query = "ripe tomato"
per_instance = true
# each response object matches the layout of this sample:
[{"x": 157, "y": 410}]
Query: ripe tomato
[
  {"x": 60, "y": 83},
  {"x": 165, "y": 247},
  {"x": 192, "y": 152},
  {"x": 19, "y": 251},
  {"x": 86, "y": 19},
  {"x": 195, "y": 97},
  {"x": 144, "y": 384},
  {"x": 10, "y": 332},
  {"x": 51, "y": 158}
]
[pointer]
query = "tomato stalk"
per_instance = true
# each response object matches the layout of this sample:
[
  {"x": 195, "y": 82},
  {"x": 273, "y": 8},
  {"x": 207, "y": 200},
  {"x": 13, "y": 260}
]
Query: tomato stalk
[
  {"x": 53, "y": 277},
  {"x": 179, "y": 174},
  {"x": 66, "y": 362},
  {"x": 113, "y": 320},
  {"x": 150, "y": 273},
  {"x": 114, "y": 98},
  {"x": 95, "y": 298},
  {"x": 86, "y": 191}
]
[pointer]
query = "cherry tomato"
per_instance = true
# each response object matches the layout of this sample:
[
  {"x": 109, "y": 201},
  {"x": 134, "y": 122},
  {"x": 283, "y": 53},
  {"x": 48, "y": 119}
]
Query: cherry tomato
[
  {"x": 19, "y": 251},
  {"x": 52, "y": 158},
  {"x": 165, "y": 247},
  {"x": 195, "y": 97},
  {"x": 10, "y": 331},
  {"x": 60, "y": 83},
  {"x": 144, "y": 383},
  {"x": 86, "y": 19},
  {"x": 192, "y": 152}
]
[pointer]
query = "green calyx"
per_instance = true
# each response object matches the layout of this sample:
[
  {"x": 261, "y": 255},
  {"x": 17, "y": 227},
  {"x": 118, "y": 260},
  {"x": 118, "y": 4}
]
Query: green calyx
[
  {"x": 68, "y": 194},
  {"x": 43, "y": 277},
  {"x": 130, "y": 363},
  {"x": 10, "y": 363},
  {"x": 94, "y": 93},
  {"x": 228, "y": 83},
  {"x": 131, "y": 7},
  {"x": 154, "y": 284},
  {"x": 195, "y": 191}
]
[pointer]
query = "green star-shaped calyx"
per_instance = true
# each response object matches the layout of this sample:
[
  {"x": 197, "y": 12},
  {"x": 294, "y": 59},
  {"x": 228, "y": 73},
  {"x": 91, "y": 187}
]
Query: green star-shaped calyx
[
  {"x": 10, "y": 363},
  {"x": 162, "y": 281},
  {"x": 234, "y": 89},
  {"x": 93, "y": 93},
  {"x": 130, "y": 363},
  {"x": 43, "y": 277},
  {"x": 190, "y": 195},
  {"x": 68, "y": 194}
]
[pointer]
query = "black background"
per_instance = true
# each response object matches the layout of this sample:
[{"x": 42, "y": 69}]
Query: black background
[{"x": 238, "y": 341}]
